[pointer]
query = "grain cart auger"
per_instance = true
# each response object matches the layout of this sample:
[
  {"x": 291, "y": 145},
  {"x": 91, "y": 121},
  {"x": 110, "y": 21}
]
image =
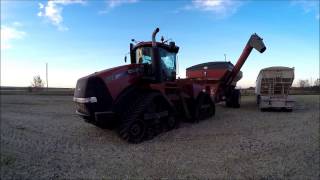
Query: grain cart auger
[
  {"x": 220, "y": 77},
  {"x": 143, "y": 98}
]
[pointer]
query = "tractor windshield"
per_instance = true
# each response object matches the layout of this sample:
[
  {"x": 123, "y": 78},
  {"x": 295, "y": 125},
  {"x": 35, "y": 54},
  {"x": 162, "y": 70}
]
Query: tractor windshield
[
  {"x": 168, "y": 63},
  {"x": 168, "y": 60}
]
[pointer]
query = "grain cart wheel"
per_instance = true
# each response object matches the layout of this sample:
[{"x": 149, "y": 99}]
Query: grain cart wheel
[
  {"x": 229, "y": 99},
  {"x": 236, "y": 98},
  {"x": 204, "y": 108},
  {"x": 229, "y": 102}
]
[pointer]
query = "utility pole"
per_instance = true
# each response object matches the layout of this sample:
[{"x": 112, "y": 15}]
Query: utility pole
[{"x": 47, "y": 75}]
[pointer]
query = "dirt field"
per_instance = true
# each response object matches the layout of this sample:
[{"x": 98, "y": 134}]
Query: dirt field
[{"x": 42, "y": 138}]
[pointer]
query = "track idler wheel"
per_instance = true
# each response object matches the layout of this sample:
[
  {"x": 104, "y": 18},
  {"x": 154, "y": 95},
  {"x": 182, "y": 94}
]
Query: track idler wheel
[
  {"x": 136, "y": 131},
  {"x": 146, "y": 116},
  {"x": 171, "y": 123}
]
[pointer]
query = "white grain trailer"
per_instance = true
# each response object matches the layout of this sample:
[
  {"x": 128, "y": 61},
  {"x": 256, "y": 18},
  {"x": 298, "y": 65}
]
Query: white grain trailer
[{"x": 272, "y": 88}]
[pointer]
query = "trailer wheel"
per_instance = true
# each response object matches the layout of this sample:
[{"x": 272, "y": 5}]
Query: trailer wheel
[
  {"x": 236, "y": 98},
  {"x": 258, "y": 99},
  {"x": 205, "y": 108}
]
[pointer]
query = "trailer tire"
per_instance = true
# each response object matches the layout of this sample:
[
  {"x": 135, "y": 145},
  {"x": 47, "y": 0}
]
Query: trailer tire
[
  {"x": 258, "y": 99},
  {"x": 236, "y": 98}
]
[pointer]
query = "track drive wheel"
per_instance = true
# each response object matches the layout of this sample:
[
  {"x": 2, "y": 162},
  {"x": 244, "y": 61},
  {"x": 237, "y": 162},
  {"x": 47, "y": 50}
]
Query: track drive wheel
[
  {"x": 159, "y": 116},
  {"x": 145, "y": 117},
  {"x": 132, "y": 127}
]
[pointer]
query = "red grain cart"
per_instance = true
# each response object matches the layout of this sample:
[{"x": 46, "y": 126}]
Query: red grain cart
[{"x": 220, "y": 78}]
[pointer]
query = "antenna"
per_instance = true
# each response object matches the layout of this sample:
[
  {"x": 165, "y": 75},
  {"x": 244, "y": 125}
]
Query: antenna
[
  {"x": 225, "y": 57},
  {"x": 47, "y": 75},
  {"x": 177, "y": 67},
  {"x": 167, "y": 40}
]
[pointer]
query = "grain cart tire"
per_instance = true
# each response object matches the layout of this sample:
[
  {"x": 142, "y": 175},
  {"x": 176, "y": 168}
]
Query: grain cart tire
[
  {"x": 229, "y": 102},
  {"x": 205, "y": 108},
  {"x": 236, "y": 98}
]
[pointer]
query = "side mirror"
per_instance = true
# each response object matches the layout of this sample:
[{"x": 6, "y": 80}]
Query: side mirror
[{"x": 125, "y": 59}]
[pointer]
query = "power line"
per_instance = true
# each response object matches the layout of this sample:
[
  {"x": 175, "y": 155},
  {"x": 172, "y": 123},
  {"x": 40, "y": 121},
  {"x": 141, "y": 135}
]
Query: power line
[{"x": 47, "y": 75}]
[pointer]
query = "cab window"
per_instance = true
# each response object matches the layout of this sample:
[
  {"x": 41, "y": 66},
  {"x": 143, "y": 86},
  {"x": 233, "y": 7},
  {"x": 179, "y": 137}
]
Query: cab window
[
  {"x": 143, "y": 55},
  {"x": 168, "y": 62}
]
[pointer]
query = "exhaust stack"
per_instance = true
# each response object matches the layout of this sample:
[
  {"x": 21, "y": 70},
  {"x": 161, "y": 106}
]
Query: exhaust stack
[
  {"x": 154, "y": 44},
  {"x": 156, "y": 66}
]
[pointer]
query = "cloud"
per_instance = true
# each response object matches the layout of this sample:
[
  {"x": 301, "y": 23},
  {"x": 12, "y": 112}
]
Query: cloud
[
  {"x": 16, "y": 24},
  {"x": 309, "y": 6},
  {"x": 52, "y": 11},
  {"x": 221, "y": 8},
  {"x": 116, "y": 3},
  {"x": 8, "y": 34}
]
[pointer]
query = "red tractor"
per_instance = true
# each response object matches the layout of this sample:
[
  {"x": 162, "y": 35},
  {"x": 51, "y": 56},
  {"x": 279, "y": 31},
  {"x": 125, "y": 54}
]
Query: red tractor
[{"x": 143, "y": 98}]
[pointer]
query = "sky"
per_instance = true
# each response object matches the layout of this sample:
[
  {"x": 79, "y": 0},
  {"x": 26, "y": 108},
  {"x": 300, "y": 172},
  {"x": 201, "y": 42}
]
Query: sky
[{"x": 79, "y": 37}]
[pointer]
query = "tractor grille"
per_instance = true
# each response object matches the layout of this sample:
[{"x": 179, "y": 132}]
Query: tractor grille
[{"x": 93, "y": 86}]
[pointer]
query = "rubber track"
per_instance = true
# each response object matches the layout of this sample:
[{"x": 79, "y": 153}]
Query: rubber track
[{"x": 135, "y": 109}]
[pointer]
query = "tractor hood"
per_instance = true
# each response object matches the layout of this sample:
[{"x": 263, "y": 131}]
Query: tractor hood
[
  {"x": 118, "y": 73},
  {"x": 85, "y": 85},
  {"x": 112, "y": 73},
  {"x": 107, "y": 81}
]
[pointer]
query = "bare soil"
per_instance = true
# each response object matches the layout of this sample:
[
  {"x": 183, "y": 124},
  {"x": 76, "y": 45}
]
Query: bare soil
[{"x": 41, "y": 137}]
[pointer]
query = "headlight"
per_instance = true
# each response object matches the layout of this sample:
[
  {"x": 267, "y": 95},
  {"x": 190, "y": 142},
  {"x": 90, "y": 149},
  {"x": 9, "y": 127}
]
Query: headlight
[{"x": 85, "y": 100}]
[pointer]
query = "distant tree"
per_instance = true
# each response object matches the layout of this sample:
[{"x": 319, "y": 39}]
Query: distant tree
[
  {"x": 37, "y": 82},
  {"x": 304, "y": 83},
  {"x": 317, "y": 82}
]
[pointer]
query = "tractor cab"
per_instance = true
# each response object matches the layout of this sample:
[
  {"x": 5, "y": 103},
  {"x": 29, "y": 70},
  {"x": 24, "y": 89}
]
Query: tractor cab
[{"x": 158, "y": 59}]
